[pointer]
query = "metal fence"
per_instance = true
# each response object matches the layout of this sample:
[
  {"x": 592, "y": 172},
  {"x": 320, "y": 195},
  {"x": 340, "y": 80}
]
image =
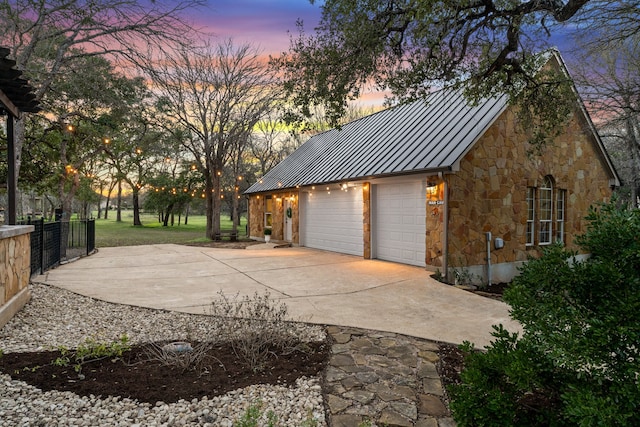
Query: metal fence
[{"x": 56, "y": 241}]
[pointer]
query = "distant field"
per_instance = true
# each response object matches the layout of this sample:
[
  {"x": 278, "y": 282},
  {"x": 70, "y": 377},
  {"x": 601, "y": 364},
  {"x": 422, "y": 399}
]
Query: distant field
[{"x": 112, "y": 233}]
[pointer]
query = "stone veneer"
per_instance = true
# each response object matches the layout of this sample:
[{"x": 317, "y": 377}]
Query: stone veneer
[
  {"x": 257, "y": 210},
  {"x": 15, "y": 269},
  {"x": 488, "y": 193}
]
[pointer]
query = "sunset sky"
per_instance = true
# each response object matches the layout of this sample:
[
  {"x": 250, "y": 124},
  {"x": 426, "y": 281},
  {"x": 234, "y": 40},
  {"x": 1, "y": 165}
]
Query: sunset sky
[
  {"x": 268, "y": 25},
  {"x": 264, "y": 23}
]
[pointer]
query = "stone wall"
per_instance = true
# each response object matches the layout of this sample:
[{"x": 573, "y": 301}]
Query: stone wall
[
  {"x": 15, "y": 269},
  {"x": 488, "y": 193},
  {"x": 434, "y": 254},
  {"x": 366, "y": 219},
  {"x": 257, "y": 211}
]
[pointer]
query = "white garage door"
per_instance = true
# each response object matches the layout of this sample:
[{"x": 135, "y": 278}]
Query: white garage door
[
  {"x": 332, "y": 221},
  {"x": 399, "y": 222}
]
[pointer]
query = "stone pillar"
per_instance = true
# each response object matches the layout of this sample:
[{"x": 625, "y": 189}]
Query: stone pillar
[
  {"x": 435, "y": 223},
  {"x": 366, "y": 219},
  {"x": 15, "y": 269}
]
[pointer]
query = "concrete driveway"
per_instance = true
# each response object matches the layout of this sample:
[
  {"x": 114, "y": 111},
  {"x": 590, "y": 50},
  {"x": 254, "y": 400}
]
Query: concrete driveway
[{"x": 317, "y": 286}]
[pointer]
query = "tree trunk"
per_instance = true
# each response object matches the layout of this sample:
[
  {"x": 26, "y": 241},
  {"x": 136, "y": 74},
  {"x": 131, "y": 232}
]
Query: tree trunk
[
  {"x": 213, "y": 205},
  {"x": 106, "y": 207},
  {"x": 235, "y": 213},
  {"x": 634, "y": 160},
  {"x": 165, "y": 220},
  {"x": 100, "y": 200},
  {"x": 186, "y": 214},
  {"x": 119, "y": 203},
  {"x": 217, "y": 203},
  {"x": 136, "y": 206},
  {"x": 18, "y": 142}
]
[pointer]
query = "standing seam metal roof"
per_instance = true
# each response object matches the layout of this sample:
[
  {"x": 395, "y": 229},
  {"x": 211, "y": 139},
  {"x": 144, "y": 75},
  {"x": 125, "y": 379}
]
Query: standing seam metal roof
[{"x": 431, "y": 134}]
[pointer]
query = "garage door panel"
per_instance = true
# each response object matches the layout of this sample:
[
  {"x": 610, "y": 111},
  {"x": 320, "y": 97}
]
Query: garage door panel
[
  {"x": 332, "y": 221},
  {"x": 400, "y": 222}
]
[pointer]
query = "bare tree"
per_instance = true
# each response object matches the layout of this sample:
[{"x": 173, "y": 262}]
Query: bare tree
[
  {"x": 218, "y": 94},
  {"x": 47, "y": 36},
  {"x": 266, "y": 140},
  {"x": 609, "y": 81}
]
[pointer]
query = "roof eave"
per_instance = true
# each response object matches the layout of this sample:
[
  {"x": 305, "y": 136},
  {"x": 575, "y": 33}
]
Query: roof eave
[{"x": 430, "y": 171}]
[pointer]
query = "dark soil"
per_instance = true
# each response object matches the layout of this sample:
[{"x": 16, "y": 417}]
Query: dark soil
[
  {"x": 494, "y": 290},
  {"x": 135, "y": 376},
  {"x": 450, "y": 364}
]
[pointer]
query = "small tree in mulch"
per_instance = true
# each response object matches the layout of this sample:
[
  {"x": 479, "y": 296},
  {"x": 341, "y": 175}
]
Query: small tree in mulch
[{"x": 578, "y": 360}]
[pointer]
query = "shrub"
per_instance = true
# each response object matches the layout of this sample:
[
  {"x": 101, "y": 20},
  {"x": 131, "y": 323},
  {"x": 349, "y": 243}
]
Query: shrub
[
  {"x": 92, "y": 350},
  {"x": 255, "y": 327},
  {"x": 194, "y": 359},
  {"x": 578, "y": 361}
]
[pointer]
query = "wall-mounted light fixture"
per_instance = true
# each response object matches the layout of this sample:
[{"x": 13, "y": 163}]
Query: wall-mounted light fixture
[{"x": 432, "y": 188}]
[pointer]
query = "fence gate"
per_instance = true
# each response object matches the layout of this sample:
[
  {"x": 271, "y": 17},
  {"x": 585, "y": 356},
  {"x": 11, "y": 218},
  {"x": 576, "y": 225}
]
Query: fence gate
[{"x": 55, "y": 241}]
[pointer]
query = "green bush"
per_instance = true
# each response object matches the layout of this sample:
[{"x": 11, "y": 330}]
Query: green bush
[
  {"x": 577, "y": 362},
  {"x": 92, "y": 350}
]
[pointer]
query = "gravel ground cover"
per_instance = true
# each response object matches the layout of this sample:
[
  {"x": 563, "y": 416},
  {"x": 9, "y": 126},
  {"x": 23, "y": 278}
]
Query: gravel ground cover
[{"x": 57, "y": 318}]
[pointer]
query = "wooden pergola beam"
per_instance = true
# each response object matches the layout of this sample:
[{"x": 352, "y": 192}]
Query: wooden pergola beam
[{"x": 9, "y": 105}]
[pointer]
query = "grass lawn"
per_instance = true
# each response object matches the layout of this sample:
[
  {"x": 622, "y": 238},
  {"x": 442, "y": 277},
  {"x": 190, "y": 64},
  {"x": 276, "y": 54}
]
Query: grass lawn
[{"x": 112, "y": 233}]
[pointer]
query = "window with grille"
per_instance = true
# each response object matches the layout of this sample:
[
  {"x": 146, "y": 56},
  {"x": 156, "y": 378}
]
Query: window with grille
[
  {"x": 531, "y": 215},
  {"x": 546, "y": 212},
  {"x": 268, "y": 212},
  {"x": 561, "y": 196}
]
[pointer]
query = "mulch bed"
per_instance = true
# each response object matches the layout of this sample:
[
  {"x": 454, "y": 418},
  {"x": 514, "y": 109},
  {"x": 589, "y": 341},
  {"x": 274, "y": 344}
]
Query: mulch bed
[
  {"x": 450, "y": 364},
  {"x": 136, "y": 377},
  {"x": 493, "y": 291}
]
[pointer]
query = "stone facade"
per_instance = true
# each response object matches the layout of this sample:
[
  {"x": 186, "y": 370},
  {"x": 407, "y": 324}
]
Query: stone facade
[
  {"x": 15, "y": 269},
  {"x": 488, "y": 193},
  {"x": 257, "y": 210},
  {"x": 366, "y": 219},
  {"x": 435, "y": 224}
]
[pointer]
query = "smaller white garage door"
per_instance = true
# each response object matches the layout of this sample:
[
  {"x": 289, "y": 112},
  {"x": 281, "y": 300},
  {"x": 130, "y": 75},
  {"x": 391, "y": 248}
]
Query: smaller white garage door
[
  {"x": 332, "y": 220},
  {"x": 399, "y": 222}
]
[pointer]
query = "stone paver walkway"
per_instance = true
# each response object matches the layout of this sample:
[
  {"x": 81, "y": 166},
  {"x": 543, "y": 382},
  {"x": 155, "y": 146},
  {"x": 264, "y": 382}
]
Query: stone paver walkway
[{"x": 383, "y": 379}]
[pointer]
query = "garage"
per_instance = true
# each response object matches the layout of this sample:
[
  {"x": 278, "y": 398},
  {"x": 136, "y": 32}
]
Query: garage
[
  {"x": 332, "y": 220},
  {"x": 399, "y": 227}
]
